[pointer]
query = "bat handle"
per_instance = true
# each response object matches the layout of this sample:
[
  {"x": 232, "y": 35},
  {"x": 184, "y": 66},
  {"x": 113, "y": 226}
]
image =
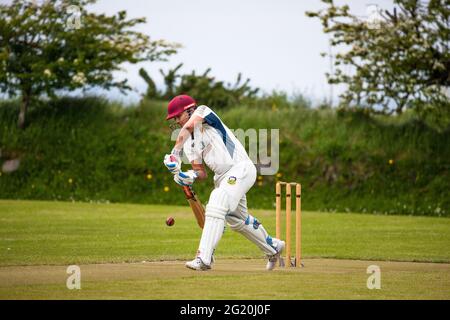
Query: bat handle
[{"x": 188, "y": 192}]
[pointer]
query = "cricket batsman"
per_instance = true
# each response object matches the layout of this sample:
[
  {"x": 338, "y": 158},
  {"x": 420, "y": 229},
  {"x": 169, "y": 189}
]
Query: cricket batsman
[{"x": 205, "y": 139}]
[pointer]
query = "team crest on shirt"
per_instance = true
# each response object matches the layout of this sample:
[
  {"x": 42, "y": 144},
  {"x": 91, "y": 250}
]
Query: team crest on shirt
[{"x": 232, "y": 180}]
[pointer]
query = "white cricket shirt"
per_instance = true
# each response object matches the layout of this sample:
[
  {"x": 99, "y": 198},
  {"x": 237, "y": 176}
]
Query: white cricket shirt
[{"x": 213, "y": 143}]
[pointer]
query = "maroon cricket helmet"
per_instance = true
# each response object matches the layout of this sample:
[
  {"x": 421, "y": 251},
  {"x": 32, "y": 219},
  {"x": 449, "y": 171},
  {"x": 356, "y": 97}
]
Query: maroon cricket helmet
[{"x": 178, "y": 104}]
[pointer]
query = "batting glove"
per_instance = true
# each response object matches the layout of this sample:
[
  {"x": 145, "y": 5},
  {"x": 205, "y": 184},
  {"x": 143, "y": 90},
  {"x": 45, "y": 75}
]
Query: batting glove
[
  {"x": 185, "y": 178},
  {"x": 172, "y": 163}
]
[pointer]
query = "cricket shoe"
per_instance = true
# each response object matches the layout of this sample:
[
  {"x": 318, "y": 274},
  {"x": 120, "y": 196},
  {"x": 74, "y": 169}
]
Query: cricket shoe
[
  {"x": 197, "y": 264},
  {"x": 212, "y": 262},
  {"x": 274, "y": 258}
]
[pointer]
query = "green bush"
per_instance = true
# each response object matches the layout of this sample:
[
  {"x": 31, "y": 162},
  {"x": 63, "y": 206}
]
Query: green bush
[
  {"x": 89, "y": 149},
  {"x": 203, "y": 87}
]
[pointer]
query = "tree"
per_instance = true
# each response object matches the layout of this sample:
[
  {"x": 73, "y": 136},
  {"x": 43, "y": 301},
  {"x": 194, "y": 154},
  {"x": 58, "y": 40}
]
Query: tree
[
  {"x": 152, "y": 91},
  {"x": 402, "y": 61},
  {"x": 203, "y": 87},
  {"x": 170, "y": 80},
  {"x": 60, "y": 45}
]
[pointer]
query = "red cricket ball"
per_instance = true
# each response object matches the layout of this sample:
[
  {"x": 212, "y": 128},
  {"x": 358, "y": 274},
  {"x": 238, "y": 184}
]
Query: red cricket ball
[{"x": 170, "y": 221}]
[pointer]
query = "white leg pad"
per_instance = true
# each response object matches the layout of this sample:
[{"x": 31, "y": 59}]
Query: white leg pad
[
  {"x": 212, "y": 233},
  {"x": 215, "y": 213},
  {"x": 253, "y": 231}
]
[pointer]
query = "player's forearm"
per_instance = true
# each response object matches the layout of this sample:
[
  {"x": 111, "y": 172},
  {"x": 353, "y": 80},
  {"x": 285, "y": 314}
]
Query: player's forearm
[
  {"x": 186, "y": 131},
  {"x": 201, "y": 175},
  {"x": 181, "y": 139},
  {"x": 199, "y": 169}
]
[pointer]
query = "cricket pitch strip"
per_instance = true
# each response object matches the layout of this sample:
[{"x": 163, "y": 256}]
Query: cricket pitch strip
[{"x": 230, "y": 279}]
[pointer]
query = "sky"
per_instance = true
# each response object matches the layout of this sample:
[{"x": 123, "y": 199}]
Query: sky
[{"x": 272, "y": 42}]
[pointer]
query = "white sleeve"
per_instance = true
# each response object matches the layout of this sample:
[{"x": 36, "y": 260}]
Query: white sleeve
[
  {"x": 191, "y": 153},
  {"x": 202, "y": 111}
]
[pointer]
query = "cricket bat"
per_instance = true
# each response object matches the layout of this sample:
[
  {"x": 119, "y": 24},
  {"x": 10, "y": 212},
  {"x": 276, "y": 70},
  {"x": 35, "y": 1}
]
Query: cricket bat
[{"x": 196, "y": 205}]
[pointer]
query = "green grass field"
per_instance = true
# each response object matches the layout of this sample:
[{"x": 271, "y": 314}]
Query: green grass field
[{"x": 110, "y": 242}]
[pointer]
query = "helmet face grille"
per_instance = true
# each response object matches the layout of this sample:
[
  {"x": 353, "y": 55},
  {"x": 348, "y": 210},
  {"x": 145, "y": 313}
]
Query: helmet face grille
[
  {"x": 191, "y": 110},
  {"x": 174, "y": 126}
]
